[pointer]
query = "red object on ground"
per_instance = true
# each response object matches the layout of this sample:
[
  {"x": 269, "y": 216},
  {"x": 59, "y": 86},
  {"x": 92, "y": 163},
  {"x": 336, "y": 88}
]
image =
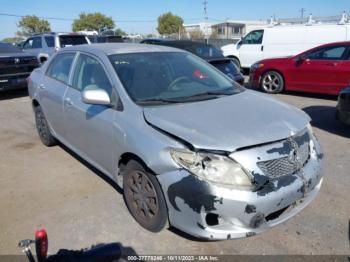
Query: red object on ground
[{"x": 41, "y": 244}]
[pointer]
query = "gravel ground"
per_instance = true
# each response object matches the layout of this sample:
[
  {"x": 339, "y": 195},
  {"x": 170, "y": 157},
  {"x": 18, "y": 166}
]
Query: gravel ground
[{"x": 78, "y": 206}]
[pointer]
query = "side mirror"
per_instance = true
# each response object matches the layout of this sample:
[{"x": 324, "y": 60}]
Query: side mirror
[
  {"x": 301, "y": 58},
  {"x": 95, "y": 97}
]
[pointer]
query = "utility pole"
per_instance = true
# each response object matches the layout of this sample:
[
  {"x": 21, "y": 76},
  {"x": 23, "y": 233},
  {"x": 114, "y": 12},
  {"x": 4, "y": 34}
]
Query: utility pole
[
  {"x": 302, "y": 11},
  {"x": 206, "y": 20}
]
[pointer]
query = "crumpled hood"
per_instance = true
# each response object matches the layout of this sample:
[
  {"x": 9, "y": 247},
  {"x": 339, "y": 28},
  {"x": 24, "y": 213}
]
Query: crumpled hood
[{"x": 229, "y": 123}]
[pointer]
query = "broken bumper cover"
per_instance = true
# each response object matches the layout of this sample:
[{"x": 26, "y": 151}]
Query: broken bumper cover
[{"x": 205, "y": 210}]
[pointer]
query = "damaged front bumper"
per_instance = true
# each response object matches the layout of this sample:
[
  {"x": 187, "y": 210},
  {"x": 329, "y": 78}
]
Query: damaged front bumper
[{"x": 209, "y": 211}]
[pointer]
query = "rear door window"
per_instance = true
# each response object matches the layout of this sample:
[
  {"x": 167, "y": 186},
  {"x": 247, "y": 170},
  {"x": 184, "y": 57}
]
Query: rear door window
[
  {"x": 60, "y": 67},
  {"x": 70, "y": 40},
  {"x": 50, "y": 41}
]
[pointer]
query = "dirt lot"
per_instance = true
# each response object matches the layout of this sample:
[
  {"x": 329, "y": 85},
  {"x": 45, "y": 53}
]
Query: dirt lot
[{"x": 51, "y": 187}]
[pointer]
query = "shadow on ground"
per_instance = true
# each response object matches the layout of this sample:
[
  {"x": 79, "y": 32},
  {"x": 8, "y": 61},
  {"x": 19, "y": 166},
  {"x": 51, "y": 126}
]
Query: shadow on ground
[
  {"x": 113, "y": 184},
  {"x": 323, "y": 117},
  {"x": 7, "y": 95}
]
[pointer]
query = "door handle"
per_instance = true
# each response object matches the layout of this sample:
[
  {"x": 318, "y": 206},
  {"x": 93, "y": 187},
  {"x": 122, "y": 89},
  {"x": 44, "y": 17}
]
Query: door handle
[
  {"x": 331, "y": 64},
  {"x": 262, "y": 48},
  {"x": 68, "y": 102},
  {"x": 42, "y": 86}
]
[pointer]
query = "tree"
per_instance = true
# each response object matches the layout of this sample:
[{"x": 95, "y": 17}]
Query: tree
[
  {"x": 13, "y": 39},
  {"x": 93, "y": 22},
  {"x": 169, "y": 23},
  {"x": 32, "y": 25},
  {"x": 120, "y": 32},
  {"x": 196, "y": 34}
]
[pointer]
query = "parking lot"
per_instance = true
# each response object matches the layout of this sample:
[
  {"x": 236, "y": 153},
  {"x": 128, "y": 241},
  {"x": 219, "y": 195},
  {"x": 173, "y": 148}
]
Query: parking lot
[{"x": 53, "y": 188}]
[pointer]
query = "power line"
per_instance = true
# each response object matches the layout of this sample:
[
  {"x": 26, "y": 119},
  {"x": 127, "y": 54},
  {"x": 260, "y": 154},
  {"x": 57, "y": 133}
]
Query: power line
[{"x": 72, "y": 19}]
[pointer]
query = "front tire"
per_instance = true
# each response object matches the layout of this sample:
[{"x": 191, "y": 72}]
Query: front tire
[
  {"x": 144, "y": 197},
  {"x": 272, "y": 82},
  {"x": 43, "y": 128}
]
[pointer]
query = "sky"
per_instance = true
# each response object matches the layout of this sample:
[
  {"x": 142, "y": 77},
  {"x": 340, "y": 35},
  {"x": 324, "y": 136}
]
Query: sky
[{"x": 139, "y": 16}]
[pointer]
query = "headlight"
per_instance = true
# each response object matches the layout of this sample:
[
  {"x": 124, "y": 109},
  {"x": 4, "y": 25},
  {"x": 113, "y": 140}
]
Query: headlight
[
  {"x": 309, "y": 129},
  {"x": 257, "y": 66},
  {"x": 211, "y": 167}
]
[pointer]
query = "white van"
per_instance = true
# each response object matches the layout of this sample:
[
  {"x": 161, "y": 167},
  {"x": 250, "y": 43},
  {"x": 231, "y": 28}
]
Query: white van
[{"x": 283, "y": 40}]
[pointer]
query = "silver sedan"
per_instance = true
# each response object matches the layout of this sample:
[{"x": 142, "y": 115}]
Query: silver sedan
[{"x": 190, "y": 148}]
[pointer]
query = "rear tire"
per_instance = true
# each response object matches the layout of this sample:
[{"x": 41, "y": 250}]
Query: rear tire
[
  {"x": 272, "y": 82},
  {"x": 144, "y": 197},
  {"x": 43, "y": 128}
]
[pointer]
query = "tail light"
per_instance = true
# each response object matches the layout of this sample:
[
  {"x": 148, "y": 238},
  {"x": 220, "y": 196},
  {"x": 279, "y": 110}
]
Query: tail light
[{"x": 41, "y": 244}]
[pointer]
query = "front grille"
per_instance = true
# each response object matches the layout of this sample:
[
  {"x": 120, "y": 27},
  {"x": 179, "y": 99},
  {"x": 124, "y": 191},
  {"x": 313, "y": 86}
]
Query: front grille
[
  {"x": 12, "y": 70},
  {"x": 298, "y": 150}
]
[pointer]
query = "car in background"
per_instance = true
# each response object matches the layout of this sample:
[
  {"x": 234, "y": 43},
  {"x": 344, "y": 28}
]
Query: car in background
[
  {"x": 188, "y": 145},
  {"x": 44, "y": 45},
  {"x": 15, "y": 67},
  {"x": 343, "y": 106},
  {"x": 105, "y": 39},
  {"x": 152, "y": 41},
  {"x": 283, "y": 40},
  {"x": 210, "y": 54},
  {"x": 324, "y": 69}
]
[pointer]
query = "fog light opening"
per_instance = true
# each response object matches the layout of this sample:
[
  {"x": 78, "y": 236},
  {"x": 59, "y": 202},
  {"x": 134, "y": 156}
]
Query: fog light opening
[{"x": 212, "y": 219}]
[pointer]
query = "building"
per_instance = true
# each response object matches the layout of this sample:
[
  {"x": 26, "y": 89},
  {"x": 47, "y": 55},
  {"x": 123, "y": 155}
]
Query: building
[
  {"x": 204, "y": 28},
  {"x": 232, "y": 29}
]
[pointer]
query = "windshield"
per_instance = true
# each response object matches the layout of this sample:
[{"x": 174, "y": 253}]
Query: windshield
[
  {"x": 169, "y": 77},
  {"x": 8, "y": 48},
  {"x": 69, "y": 40}
]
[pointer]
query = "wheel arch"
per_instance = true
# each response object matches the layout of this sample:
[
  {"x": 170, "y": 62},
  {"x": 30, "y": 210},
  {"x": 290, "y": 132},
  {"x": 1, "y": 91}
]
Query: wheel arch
[
  {"x": 35, "y": 103},
  {"x": 235, "y": 57}
]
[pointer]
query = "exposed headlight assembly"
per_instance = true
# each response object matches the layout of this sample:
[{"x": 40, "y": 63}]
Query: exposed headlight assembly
[{"x": 212, "y": 167}]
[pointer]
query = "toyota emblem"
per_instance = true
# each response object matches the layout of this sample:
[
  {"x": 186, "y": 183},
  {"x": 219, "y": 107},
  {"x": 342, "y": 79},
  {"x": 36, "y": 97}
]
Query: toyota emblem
[{"x": 17, "y": 60}]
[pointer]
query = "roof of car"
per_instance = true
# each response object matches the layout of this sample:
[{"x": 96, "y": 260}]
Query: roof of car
[
  {"x": 122, "y": 48},
  {"x": 57, "y": 34},
  {"x": 185, "y": 43}
]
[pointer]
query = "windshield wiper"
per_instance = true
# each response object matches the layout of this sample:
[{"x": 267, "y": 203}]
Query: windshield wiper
[
  {"x": 155, "y": 101},
  {"x": 208, "y": 95}
]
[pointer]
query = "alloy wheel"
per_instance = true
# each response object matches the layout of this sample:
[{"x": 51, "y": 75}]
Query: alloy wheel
[{"x": 272, "y": 83}]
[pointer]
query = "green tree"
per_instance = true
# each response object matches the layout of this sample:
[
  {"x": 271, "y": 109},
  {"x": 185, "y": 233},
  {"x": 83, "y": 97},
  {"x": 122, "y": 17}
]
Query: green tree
[
  {"x": 169, "y": 23},
  {"x": 93, "y": 22},
  {"x": 32, "y": 24},
  {"x": 120, "y": 32},
  {"x": 13, "y": 39}
]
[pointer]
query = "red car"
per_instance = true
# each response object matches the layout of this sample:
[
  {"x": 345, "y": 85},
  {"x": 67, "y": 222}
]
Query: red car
[{"x": 324, "y": 69}]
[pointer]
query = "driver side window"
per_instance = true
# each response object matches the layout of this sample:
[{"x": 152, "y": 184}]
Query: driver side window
[
  {"x": 328, "y": 53},
  {"x": 253, "y": 38},
  {"x": 28, "y": 44},
  {"x": 89, "y": 74}
]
